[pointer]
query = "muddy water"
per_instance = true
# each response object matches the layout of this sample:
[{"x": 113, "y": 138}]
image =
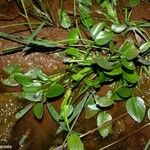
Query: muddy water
[{"x": 41, "y": 134}]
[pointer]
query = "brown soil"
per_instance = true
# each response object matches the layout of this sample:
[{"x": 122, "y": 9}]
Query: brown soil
[{"x": 41, "y": 134}]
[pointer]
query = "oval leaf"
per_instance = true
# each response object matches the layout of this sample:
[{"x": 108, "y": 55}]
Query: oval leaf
[
  {"x": 125, "y": 92},
  {"x": 54, "y": 91},
  {"x": 34, "y": 97},
  {"x": 144, "y": 47},
  {"x": 130, "y": 77},
  {"x": 128, "y": 64},
  {"x": 38, "y": 110},
  {"x": 104, "y": 101},
  {"x": 103, "y": 118},
  {"x": 22, "y": 79},
  {"x": 136, "y": 108},
  {"x": 74, "y": 142}
]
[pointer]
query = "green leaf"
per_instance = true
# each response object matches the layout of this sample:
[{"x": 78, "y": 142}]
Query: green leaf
[
  {"x": 73, "y": 36},
  {"x": 130, "y": 77},
  {"x": 10, "y": 81},
  {"x": 102, "y": 118},
  {"x": 136, "y": 108},
  {"x": 104, "y": 101},
  {"x": 104, "y": 37},
  {"x": 134, "y": 3},
  {"x": 128, "y": 64},
  {"x": 22, "y": 112},
  {"x": 34, "y": 97},
  {"x": 74, "y": 142},
  {"x": 43, "y": 76},
  {"x": 86, "y": 19},
  {"x": 73, "y": 52},
  {"x": 38, "y": 110},
  {"x": 33, "y": 87},
  {"x": 103, "y": 63},
  {"x": 96, "y": 29},
  {"x": 118, "y": 28},
  {"x": 129, "y": 51},
  {"x": 54, "y": 91},
  {"x": 115, "y": 72},
  {"x": 66, "y": 111},
  {"x": 144, "y": 47},
  {"x": 89, "y": 113},
  {"x": 64, "y": 19},
  {"x": 12, "y": 68},
  {"x": 125, "y": 92},
  {"x": 33, "y": 73},
  {"x": 148, "y": 113},
  {"x": 22, "y": 79}
]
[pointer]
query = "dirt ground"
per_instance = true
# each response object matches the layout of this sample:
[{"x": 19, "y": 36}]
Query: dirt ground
[{"x": 41, "y": 134}]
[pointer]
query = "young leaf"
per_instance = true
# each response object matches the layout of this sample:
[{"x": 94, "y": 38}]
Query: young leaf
[
  {"x": 136, "y": 108},
  {"x": 22, "y": 79},
  {"x": 73, "y": 36},
  {"x": 64, "y": 19},
  {"x": 22, "y": 112},
  {"x": 38, "y": 110},
  {"x": 74, "y": 142},
  {"x": 118, "y": 28},
  {"x": 104, "y": 37},
  {"x": 102, "y": 118},
  {"x": 54, "y": 91}
]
